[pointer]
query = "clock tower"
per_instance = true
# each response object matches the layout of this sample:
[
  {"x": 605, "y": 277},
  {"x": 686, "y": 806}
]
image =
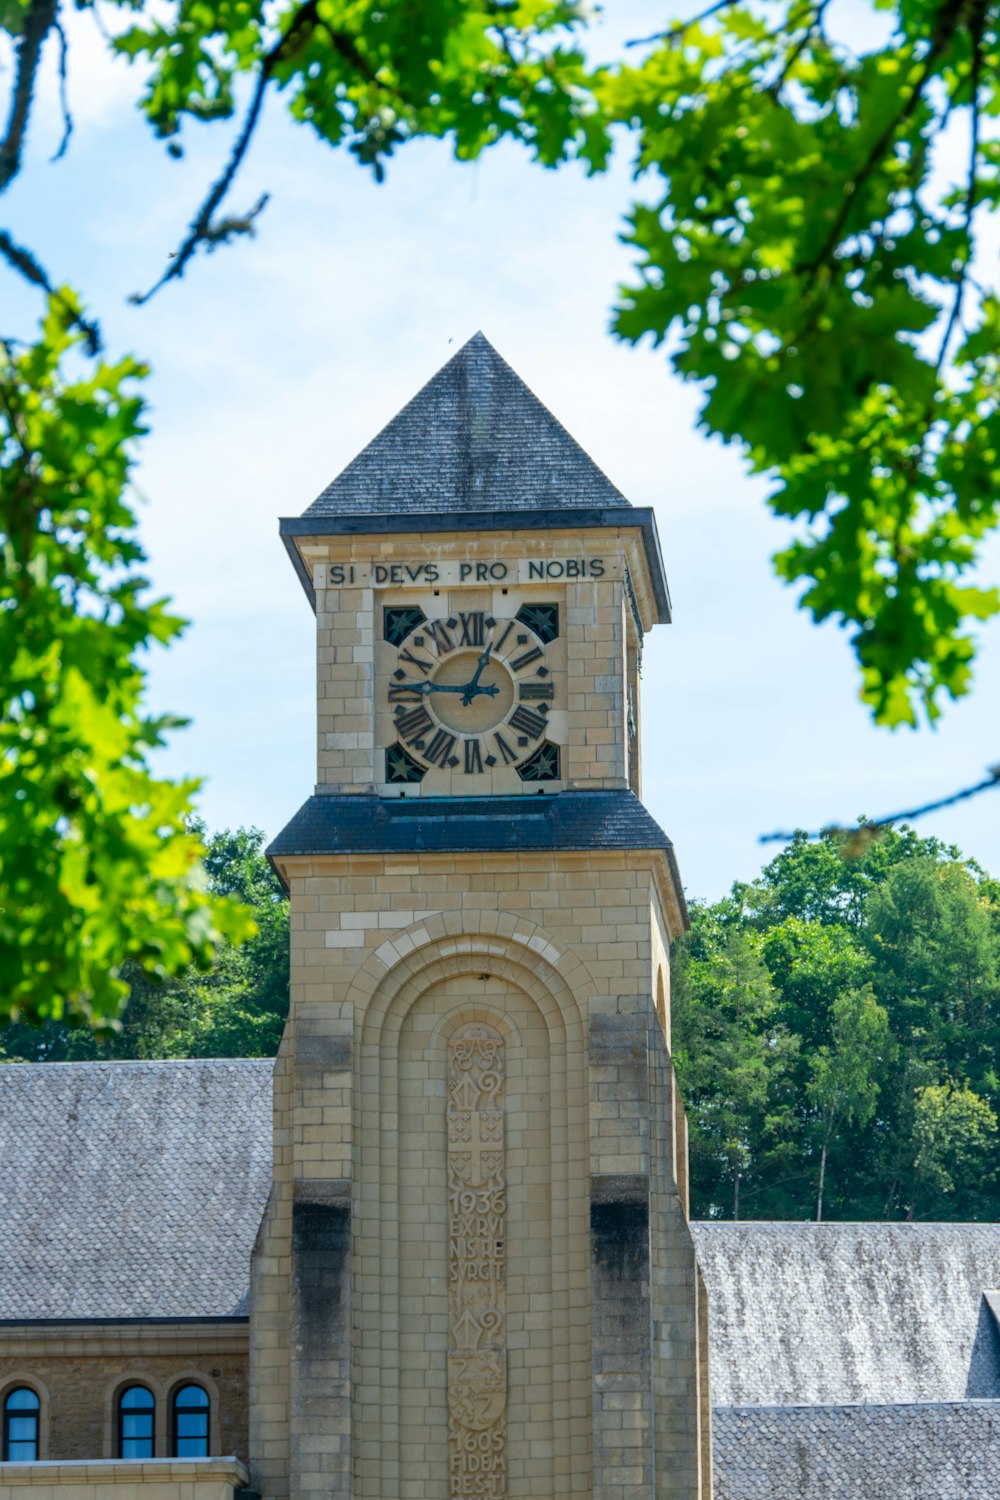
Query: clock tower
[{"x": 474, "y": 1276}]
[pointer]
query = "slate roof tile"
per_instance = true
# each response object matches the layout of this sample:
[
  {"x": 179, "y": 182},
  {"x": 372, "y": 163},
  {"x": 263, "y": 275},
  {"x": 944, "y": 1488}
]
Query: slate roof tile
[
  {"x": 131, "y": 1189},
  {"x": 934, "y": 1451},
  {"x": 850, "y": 1312}
]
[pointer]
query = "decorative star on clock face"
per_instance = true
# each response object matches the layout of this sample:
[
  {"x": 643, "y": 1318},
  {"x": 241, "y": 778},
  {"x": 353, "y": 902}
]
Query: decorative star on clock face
[{"x": 471, "y": 691}]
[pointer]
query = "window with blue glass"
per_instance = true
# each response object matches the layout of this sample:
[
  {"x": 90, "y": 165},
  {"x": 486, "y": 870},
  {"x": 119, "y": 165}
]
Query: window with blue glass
[
  {"x": 191, "y": 1422},
  {"x": 21, "y": 1410},
  {"x": 136, "y": 1415}
]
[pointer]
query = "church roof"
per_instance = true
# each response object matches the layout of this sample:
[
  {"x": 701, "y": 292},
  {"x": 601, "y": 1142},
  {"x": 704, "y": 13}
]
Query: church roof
[
  {"x": 831, "y": 1313},
  {"x": 932, "y": 1451},
  {"x": 475, "y": 438},
  {"x": 131, "y": 1189}
]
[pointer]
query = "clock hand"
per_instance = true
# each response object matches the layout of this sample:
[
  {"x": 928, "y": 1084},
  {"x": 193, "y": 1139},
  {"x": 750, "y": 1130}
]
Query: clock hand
[
  {"x": 448, "y": 687},
  {"x": 472, "y": 688}
]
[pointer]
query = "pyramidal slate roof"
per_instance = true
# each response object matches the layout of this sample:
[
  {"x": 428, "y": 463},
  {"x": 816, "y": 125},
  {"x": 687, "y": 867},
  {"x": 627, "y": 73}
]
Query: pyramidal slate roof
[
  {"x": 131, "y": 1189},
  {"x": 474, "y": 439}
]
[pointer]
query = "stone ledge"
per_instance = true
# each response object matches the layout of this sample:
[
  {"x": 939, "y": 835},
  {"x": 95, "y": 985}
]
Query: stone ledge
[{"x": 98, "y": 1472}]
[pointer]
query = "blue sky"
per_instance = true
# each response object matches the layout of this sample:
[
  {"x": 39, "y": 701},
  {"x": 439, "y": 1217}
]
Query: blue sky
[{"x": 276, "y": 360}]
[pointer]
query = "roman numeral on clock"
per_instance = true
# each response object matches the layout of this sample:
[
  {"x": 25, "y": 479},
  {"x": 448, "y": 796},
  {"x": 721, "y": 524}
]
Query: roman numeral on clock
[
  {"x": 540, "y": 692},
  {"x": 472, "y": 626},
  {"x": 410, "y": 726},
  {"x": 440, "y": 748},
  {"x": 438, "y": 632},
  {"x": 526, "y": 658},
  {"x": 498, "y": 644},
  {"x": 527, "y": 721},
  {"x": 415, "y": 661},
  {"x": 473, "y": 757},
  {"x": 406, "y": 692},
  {"x": 508, "y": 754}
]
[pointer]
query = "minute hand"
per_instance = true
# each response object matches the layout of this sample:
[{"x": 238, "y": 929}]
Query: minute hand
[{"x": 450, "y": 687}]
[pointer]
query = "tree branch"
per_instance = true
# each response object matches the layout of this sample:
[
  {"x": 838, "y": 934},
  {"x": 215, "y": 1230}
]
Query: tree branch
[
  {"x": 27, "y": 265},
  {"x": 63, "y": 91},
  {"x": 883, "y": 141},
  {"x": 961, "y": 279},
  {"x": 202, "y": 230},
  {"x": 992, "y": 780},
  {"x": 38, "y": 20},
  {"x": 682, "y": 26},
  {"x": 815, "y": 22}
]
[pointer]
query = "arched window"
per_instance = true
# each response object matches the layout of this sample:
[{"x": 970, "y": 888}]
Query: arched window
[
  {"x": 136, "y": 1409},
  {"x": 20, "y": 1426},
  {"x": 190, "y": 1422}
]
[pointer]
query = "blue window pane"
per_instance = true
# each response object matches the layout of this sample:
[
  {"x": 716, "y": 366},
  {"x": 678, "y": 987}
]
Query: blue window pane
[
  {"x": 22, "y": 1400},
  {"x": 20, "y": 1426},
  {"x": 137, "y": 1447},
  {"x": 191, "y": 1395},
  {"x": 137, "y": 1398},
  {"x": 192, "y": 1447},
  {"x": 192, "y": 1423},
  {"x": 137, "y": 1424}
]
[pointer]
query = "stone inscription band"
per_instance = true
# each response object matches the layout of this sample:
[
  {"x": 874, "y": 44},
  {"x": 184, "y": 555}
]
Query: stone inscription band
[{"x": 477, "y": 1206}]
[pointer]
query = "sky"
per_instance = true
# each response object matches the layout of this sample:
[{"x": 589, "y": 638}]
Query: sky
[{"x": 276, "y": 360}]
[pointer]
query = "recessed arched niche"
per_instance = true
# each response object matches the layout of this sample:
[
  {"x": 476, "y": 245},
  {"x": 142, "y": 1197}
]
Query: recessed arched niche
[{"x": 472, "y": 1115}]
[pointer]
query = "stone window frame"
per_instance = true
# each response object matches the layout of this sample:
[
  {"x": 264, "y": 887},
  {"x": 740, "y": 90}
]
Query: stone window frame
[
  {"x": 194, "y": 1376},
  {"x": 19, "y": 1381},
  {"x": 140, "y": 1382},
  {"x": 163, "y": 1388},
  {"x": 184, "y": 1383}
]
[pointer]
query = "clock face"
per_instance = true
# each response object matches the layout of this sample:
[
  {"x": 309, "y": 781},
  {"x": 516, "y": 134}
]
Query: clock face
[{"x": 470, "y": 692}]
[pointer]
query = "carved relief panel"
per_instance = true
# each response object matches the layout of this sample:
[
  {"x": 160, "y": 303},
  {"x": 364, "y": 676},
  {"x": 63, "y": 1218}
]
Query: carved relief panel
[{"x": 477, "y": 1206}]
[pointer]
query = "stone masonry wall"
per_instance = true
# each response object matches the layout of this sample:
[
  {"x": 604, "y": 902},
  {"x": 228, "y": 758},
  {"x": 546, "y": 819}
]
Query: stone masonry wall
[{"x": 79, "y": 1390}]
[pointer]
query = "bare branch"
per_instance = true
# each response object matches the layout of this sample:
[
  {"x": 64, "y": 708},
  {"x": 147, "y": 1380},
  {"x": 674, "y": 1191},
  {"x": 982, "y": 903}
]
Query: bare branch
[
  {"x": 26, "y": 263},
  {"x": 38, "y": 20},
  {"x": 203, "y": 231},
  {"x": 815, "y": 22},
  {"x": 992, "y": 780},
  {"x": 962, "y": 277},
  {"x": 63, "y": 92},
  {"x": 678, "y": 31}
]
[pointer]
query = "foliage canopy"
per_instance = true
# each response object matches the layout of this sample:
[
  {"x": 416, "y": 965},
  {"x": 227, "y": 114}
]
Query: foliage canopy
[
  {"x": 236, "y": 1008},
  {"x": 804, "y": 230},
  {"x": 859, "y": 1070}
]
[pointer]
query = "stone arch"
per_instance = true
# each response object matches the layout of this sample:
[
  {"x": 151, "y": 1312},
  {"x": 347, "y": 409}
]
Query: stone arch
[
  {"x": 192, "y": 1375},
  {"x": 499, "y": 938},
  {"x": 412, "y": 995},
  {"x": 112, "y": 1394},
  {"x": 17, "y": 1380}
]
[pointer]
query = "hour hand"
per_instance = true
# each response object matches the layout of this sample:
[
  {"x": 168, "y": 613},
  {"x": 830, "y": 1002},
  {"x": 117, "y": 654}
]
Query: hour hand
[{"x": 472, "y": 688}]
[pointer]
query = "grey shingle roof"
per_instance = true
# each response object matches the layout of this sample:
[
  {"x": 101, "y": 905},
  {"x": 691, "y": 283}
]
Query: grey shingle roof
[
  {"x": 134, "y": 1190},
  {"x": 474, "y": 439},
  {"x": 905, "y": 1452},
  {"x": 360, "y": 824},
  {"x": 850, "y": 1312},
  {"x": 131, "y": 1189}
]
